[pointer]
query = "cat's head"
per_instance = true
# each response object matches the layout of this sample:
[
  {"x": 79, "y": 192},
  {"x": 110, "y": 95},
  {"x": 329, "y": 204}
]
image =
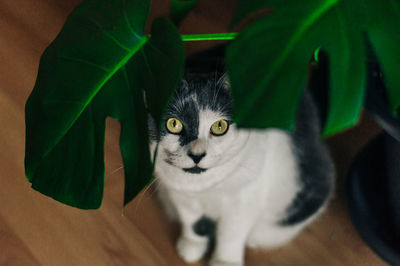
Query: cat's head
[{"x": 197, "y": 133}]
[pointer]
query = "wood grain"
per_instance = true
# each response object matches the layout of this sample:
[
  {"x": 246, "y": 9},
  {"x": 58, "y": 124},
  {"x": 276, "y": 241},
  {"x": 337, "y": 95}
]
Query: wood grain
[{"x": 36, "y": 230}]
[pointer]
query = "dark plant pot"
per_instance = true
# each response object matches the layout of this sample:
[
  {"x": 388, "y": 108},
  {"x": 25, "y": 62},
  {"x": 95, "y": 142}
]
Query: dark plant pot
[
  {"x": 369, "y": 201},
  {"x": 373, "y": 184}
]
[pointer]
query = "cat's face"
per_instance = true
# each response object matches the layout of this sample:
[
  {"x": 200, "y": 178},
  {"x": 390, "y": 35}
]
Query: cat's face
[{"x": 197, "y": 132}]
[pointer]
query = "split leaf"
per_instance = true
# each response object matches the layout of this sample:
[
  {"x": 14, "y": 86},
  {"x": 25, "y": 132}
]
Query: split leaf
[
  {"x": 267, "y": 63},
  {"x": 83, "y": 78}
]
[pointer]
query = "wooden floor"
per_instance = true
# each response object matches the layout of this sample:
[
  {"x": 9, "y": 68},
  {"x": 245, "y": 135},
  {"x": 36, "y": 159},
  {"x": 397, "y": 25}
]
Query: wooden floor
[{"x": 36, "y": 230}]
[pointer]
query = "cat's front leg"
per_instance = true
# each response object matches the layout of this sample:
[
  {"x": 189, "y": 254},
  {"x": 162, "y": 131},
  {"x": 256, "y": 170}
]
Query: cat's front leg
[
  {"x": 190, "y": 249},
  {"x": 190, "y": 246},
  {"x": 232, "y": 232}
]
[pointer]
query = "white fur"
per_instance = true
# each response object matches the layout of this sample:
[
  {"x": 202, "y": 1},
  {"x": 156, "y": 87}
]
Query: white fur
[{"x": 249, "y": 183}]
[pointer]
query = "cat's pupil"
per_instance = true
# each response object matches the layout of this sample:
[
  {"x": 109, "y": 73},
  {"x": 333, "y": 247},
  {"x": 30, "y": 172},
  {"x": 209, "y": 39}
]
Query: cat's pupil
[
  {"x": 174, "y": 123},
  {"x": 219, "y": 125}
]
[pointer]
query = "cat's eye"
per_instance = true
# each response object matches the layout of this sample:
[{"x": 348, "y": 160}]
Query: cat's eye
[
  {"x": 174, "y": 125},
  {"x": 219, "y": 127}
]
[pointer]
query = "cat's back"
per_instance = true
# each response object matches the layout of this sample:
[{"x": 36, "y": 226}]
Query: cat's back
[
  {"x": 295, "y": 171},
  {"x": 315, "y": 166}
]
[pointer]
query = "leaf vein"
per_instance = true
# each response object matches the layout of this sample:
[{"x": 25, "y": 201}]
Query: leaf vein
[
  {"x": 107, "y": 34},
  {"x": 128, "y": 22},
  {"x": 84, "y": 62}
]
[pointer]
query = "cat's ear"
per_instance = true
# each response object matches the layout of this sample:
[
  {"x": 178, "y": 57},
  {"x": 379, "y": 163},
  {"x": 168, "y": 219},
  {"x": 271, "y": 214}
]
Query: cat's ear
[{"x": 224, "y": 82}]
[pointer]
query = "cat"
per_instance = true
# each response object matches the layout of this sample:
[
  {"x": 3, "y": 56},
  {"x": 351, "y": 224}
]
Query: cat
[{"x": 245, "y": 187}]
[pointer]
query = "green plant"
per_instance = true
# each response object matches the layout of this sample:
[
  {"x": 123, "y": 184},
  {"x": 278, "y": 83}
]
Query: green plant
[{"x": 101, "y": 63}]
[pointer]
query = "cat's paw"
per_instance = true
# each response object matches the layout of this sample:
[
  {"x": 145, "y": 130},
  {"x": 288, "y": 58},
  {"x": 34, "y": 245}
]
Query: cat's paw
[
  {"x": 191, "y": 251},
  {"x": 216, "y": 262}
]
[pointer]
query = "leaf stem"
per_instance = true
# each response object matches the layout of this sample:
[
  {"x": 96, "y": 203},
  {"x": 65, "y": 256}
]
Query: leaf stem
[{"x": 209, "y": 36}]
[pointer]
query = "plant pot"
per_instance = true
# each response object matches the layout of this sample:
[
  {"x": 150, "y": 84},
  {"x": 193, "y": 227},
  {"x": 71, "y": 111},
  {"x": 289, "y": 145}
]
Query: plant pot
[
  {"x": 373, "y": 183},
  {"x": 368, "y": 200}
]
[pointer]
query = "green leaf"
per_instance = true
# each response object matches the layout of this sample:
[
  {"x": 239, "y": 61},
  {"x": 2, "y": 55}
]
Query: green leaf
[
  {"x": 75, "y": 67},
  {"x": 384, "y": 34},
  {"x": 84, "y": 76},
  {"x": 180, "y": 8},
  {"x": 158, "y": 69},
  {"x": 72, "y": 172},
  {"x": 267, "y": 63},
  {"x": 163, "y": 60},
  {"x": 129, "y": 109},
  {"x": 245, "y": 8},
  {"x": 347, "y": 66}
]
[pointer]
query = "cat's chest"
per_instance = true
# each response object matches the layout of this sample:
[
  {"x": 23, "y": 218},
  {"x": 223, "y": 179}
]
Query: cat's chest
[{"x": 214, "y": 202}]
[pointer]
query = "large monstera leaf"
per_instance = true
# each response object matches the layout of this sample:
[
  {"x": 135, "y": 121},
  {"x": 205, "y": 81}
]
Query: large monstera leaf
[
  {"x": 268, "y": 61},
  {"x": 91, "y": 71},
  {"x": 179, "y": 9}
]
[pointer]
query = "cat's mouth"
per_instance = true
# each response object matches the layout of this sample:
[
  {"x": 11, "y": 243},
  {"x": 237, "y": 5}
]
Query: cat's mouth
[{"x": 194, "y": 170}]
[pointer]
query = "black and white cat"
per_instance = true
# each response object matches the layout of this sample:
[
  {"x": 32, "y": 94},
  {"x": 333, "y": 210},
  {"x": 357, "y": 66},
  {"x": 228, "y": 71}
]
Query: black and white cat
[{"x": 259, "y": 187}]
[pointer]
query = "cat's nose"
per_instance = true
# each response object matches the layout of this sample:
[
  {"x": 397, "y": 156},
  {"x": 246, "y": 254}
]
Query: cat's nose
[{"x": 196, "y": 157}]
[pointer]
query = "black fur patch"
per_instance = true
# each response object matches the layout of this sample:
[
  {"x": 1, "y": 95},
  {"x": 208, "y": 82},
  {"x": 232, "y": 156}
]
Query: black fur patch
[
  {"x": 204, "y": 226},
  {"x": 170, "y": 157},
  {"x": 195, "y": 93},
  {"x": 316, "y": 167}
]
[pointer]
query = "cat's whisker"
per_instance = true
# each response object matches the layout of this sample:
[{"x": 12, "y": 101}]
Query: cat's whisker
[
  {"x": 116, "y": 170},
  {"x": 216, "y": 96},
  {"x": 157, "y": 186},
  {"x": 214, "y": 100},
  {"x": 142, "y": 194},
  {"x": 222, "y": 108}
]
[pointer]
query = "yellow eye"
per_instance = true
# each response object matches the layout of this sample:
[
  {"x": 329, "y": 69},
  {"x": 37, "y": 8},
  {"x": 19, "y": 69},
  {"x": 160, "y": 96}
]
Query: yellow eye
[
  {"x": 219, "y": 128},
  {"x": 174, "y": 125}
]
